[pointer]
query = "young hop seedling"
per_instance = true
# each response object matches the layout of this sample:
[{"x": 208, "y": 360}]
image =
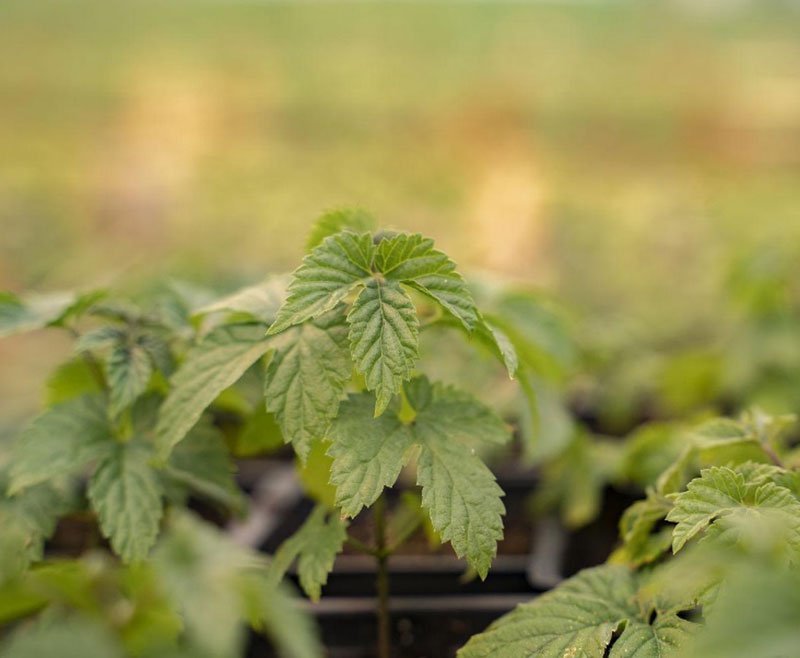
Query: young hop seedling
[
  {"x": 351, "y": 307},
  {"x": 329, "y": 363},
  {"x": 708, "y": 563}
]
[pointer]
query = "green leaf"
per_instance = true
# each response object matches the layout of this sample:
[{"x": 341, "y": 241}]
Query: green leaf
[
  {"x": 306, "y": 378},
  {"x": 640, "y": 544},
  {"x": 37, "y": 311},
  {"x": 411, "y": 259},
  {"x": 72, "y": 637},
  {"x": 584, "y": 616},
  {"x": 260, "y": 434},
  {"x": 71, "y": 379},
  {"x": 721, "y": 496},
  {"x": 368, "y": 453},
  {"x": 100, "y": 338},
  {"x": 200, "y": 570},
  {"x": 458, "y": 490},
  {"x": 499, "y": 342},
  {"x": 27, "y": 520},
  {"x": 315, "y": 476},
  {"x": 272, "y": 609},
  {"x": 335, "y": 221},
  {"x": 328, "y": 274},
  {"x": 129, "y": 370},
  {"x": 260, "y": 302},
  {"x": 462, "y": 498},
  {"x": 210, "y": 367},
  {"x": 454, "y": 413},
  {"x": 315, "y": 546},
  {"x": 126, "y": 494},
  {"x": 202, "y": 462},
  {"x": 384, "y": 332},
  {"x": 61, "y": 442}
]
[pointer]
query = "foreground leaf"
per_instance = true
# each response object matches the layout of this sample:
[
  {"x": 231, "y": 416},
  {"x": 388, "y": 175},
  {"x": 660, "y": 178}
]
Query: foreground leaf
[
  {"x": 210, "y": 367},
  {"x": 270, "y": 608},
  {"x": 384, "y": 333},
  {"x": 306, "y": 378},
  {"x": 368, "y": 453},
  {"x": 328, "y": 274},
  {"x": 126, "y": 494},
  {"x": 582, "y": 617},
  {"x": 315, "y": 547},
  {"x": 75, "y": 637},
  {"x": 61, "y": 442}
]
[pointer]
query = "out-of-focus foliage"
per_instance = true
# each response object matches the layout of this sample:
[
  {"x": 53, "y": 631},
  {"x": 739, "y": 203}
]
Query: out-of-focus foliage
[{"x": 728, "y": 588}]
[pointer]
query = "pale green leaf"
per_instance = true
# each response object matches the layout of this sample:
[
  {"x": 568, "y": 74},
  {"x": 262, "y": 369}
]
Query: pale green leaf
[
  {"x": 326, "y": 277},
  {"x": 306, "y": 378},
  {"x": 61, "y": 441},
  {"x": 341, "y": 219},
  {"x": 201, "y": 571},
  {"x": 125, "y": 492},
  {"x": 260, "y": 302},
  {"x": 74, "y": 637},
  {"x": 583, "y": 617},
  {"x": 384, "y": 332},
  {"x": 71, "y": 379},
  {"x": 27, "y": 520},
  {"x": 368, "y": 453},
  {"x": 642, "y": 541},
  {"x": 271, "y": 608},
  {"x": 315, "y": 547},
  {"x": 261, "y": 434},
  {"x": 411, "y": 259},
  {"x": 36, "y": 311},
  {"x": 499, "y": 342},
  {"x": 721, "y": 496},
  {"x": 128, "y": 372},
  {"x": 202, "y": 463},
  {"x": 210, "y": 367},
  {"x": 315, "y": 475}
]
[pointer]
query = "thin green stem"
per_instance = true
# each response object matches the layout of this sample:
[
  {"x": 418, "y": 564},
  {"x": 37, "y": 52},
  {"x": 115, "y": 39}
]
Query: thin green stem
[{"x": 382, "y": 556}]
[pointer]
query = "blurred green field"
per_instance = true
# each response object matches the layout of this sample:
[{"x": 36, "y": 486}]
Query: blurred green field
[{"x": 617, "y": 154}]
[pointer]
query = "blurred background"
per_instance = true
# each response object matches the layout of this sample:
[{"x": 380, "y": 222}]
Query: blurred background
[{"x": 638, "y": 161}]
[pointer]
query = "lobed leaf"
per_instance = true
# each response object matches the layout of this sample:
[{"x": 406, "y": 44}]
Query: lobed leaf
[
  {"x": 411, "y": 259},
  {"x": 60, "y": 442},
  {"x": 328, "y": 275},
  {"x": 719, "y": 493},
  {"x": 202, "y": 462},
  {"x": 368, "y": 453},
  {"x": 306, "y": 378},
  {"x": 384, "y": 332},
  {"x": 315, "y": 547},
  {"x": 125, "y": 492},
  {"x": 592, "y": 615}
]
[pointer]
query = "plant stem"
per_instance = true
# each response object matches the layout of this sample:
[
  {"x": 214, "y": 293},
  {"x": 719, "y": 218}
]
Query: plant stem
[{"x": 382, "y": 556}]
